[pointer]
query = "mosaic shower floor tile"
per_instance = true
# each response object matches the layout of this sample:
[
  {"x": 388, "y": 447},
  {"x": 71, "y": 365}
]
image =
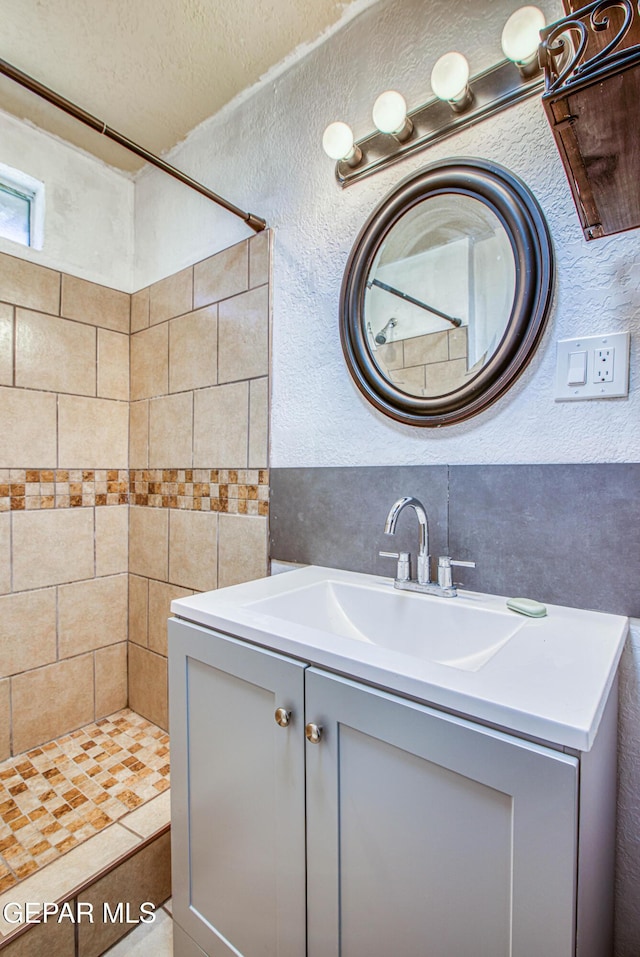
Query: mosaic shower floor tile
[{"x": 58, "y": 795}]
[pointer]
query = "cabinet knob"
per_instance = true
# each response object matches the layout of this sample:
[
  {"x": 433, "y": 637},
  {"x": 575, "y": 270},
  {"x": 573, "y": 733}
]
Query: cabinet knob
[
  {"x": 283, "y": 717},
  {"x": 313, "y": 733}
]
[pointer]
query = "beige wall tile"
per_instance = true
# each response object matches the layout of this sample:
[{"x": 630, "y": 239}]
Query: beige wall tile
[
  {"x": 458, "y": 343},
  {"x": 112, "y": 539},
  {"x": 259, "y": 424},
  {"x": 221, "y": 426},
  {"x": 223, "y": 275},
  {"x": 259, "y": 260},
  {"x": 144, "y": 877},
  {"x": 138, "y": 610},
  {"x": 92, "y": 614},
  {"x": 98, "y": 305},
  {"x": 29, "y": 285},
  {"x": 193, "y": 549},
  {"x": 27, "y": 631},
  {"x": 54, "y": 940},
  {"x": 139, "y": 434},
  {"x": 111, "y": 679},
  {"x": 50, "y": 701},
  {"x": 92, "y": 433},
  {"x": 5, "y": 553},
  {"x": 150, "y": 362},
  {"x": 140, "y": 310},
  {"x": 113, "y": 365},
  {"x": 55, "y": 354},
  {"x": 193, "y": 350},
  {"x": 411, "y": 380},
  {"x": 5, "y": 719},
  {"x": 390, "y": 356},
  {"x": 28, "y": 429},
  {"x": 243, "y": 336},
  {"x": 148, "y": 685},
  {"x": 443, "y": 377},
  {"x": 424, "y": 349},
  {"x": 242, "y": 554},
  {"x": 52, "y": 547},
  {"x": 160, "y": 597},
  {"x": 6, "y": 344},
  {"x": 171, "y": 431},
  {"x": 171, "y": 297},
  {"x": 149, "y": 542}
]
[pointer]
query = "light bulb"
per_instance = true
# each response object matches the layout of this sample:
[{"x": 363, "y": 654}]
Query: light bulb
[
  {"x": 449, "y": 80},
  {"x": 521, "y": 38},
  {"x": 390, "y": 115},
  {"x": 337, "y": 143}
]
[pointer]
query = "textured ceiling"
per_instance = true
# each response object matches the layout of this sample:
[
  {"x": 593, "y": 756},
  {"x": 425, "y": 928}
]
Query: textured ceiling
[{"x": 151, "y": 69}]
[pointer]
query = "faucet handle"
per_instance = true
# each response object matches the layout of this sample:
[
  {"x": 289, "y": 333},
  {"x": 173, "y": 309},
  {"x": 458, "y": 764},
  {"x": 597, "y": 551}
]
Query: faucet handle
[
  {"x": 403, "y": 569},
  {"x": 445, "y": 578}
]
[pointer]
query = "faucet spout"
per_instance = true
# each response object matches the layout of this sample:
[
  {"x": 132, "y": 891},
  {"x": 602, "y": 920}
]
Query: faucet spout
[{"x": 408, "y": 501}]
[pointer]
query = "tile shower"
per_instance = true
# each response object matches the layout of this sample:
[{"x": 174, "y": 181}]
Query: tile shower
[{"x": 133, "y": 469}]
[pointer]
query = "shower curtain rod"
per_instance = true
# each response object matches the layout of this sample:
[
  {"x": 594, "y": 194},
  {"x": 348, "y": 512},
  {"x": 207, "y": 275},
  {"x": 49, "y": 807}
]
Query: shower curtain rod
[{"x": 255, "y": 222}]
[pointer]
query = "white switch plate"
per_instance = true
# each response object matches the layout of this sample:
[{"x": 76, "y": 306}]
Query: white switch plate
[{"x": 607, "y": 367}]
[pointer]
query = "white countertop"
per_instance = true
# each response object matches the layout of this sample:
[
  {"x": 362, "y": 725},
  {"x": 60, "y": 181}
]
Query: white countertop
[{"x": 550, "y": 680}]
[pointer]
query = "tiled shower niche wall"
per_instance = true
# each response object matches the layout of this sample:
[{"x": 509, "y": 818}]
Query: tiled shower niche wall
[
  {"x": 198, "y": 447},
  {"x": 64, "y": 390},
  {"x": 171, "y": 487}
]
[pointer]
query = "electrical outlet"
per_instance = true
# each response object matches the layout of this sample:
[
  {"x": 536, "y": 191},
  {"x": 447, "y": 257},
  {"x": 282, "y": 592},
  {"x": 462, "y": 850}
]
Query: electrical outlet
[
  {"x": 593, "y": 367},
  {"x": 603, "y": 365}
]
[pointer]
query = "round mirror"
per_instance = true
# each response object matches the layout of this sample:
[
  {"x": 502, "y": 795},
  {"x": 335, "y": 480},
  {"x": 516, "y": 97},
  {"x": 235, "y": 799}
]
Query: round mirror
[{"x": 446, "y": 292}]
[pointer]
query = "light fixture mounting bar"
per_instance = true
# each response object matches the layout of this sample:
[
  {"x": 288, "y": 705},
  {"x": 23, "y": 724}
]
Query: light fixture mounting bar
[{"x": 493, "y": 90}]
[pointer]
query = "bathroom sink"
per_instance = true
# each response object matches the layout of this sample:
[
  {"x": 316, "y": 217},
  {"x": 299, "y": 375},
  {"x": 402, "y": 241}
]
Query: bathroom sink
[
  {"x": 542, "y": 677},
  {"x": 432, "y": 628}
]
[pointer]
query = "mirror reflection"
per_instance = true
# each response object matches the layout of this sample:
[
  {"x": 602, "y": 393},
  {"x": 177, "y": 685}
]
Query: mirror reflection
[{"x": 439, "y": 294}]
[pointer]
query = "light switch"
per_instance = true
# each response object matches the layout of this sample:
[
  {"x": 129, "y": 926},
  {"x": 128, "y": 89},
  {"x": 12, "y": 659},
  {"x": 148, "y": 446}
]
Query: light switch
[{"x": 577, "y": 368}]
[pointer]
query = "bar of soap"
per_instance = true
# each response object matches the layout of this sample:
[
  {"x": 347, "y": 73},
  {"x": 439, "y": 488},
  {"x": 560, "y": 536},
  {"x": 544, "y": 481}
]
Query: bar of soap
[{"x": 527, "y": 606}]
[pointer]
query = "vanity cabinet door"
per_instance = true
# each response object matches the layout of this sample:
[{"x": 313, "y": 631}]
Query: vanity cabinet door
[
  {"x": 429, "y": 835},
  {"x": 237, "y": 795}
]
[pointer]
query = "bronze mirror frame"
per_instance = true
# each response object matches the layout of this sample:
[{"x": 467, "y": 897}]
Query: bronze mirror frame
[{"x": 520, "y": 215}]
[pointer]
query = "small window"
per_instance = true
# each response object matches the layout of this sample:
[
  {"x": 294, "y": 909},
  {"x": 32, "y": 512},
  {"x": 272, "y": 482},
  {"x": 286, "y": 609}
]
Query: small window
[{"x": 21, "y": 207}]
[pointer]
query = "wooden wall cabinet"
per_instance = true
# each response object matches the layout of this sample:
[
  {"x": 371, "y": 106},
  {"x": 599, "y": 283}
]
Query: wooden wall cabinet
[{"x": 591, "y": 60}]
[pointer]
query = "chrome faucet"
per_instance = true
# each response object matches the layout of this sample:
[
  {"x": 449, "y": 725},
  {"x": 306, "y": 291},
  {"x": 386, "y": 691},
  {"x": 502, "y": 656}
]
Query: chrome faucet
[
  {"x": 424, "y": 559},
  {"x": 444, "y": 586}
]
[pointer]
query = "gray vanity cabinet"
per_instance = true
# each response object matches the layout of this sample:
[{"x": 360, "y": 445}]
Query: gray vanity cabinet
[
  {"x": 420, "y": 833},
  {"x": 428, "y": 834},
  {"x": 237, "y": 798}
]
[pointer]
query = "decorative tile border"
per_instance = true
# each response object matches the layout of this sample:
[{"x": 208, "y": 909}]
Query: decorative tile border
[
  {"x": 233, "y": 491},
  {"x": 23, "y": 489}
]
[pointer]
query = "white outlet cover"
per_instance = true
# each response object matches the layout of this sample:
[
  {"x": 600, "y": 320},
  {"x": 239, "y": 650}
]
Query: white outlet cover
[{"x": 618, "y": 386}]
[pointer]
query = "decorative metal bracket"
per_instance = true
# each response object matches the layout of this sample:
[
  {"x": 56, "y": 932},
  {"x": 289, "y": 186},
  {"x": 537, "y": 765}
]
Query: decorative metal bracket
[
  {"x": 577, "y": 33},
  {"x": 493, "y": 90}
]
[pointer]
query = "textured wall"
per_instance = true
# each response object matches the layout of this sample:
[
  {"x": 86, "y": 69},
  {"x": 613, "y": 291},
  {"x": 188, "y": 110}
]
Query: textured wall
[
  {"x": 266, "y": 156},
  {"x": 89, "y": 206}
]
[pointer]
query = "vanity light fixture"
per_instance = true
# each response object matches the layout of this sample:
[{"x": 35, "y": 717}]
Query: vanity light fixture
[
  {"x": 338, "y": 144},
  {"x": 521, "y": 39},
  {"x": 450, "y": 81},
  {"x": 459, "y": 102},
  {"x": 390, "y": 115}
]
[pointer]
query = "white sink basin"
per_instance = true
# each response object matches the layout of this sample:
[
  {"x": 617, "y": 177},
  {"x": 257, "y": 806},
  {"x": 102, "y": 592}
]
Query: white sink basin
[
  {"x": 546, "y": 678},
  {"x": 432, "y": 628}
]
